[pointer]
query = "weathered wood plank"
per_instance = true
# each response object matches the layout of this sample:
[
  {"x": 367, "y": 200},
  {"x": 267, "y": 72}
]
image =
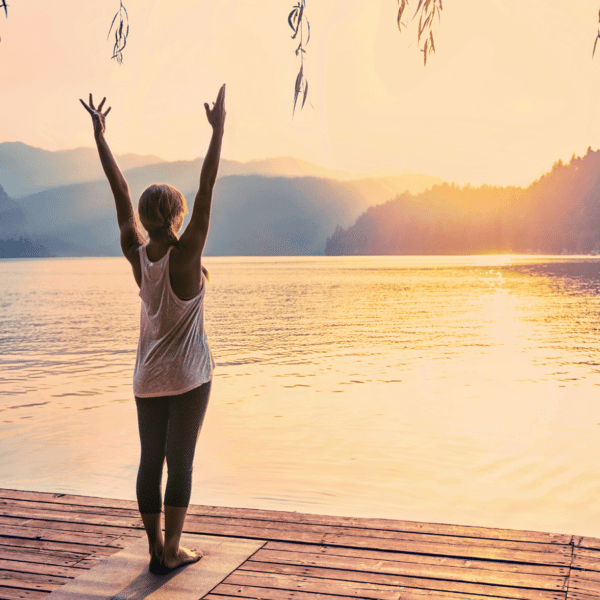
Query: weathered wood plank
[
  {"x": 38, "y": 544},
  {"x": 80, "y": 527},
  {"x": 89, "y": 563},
  {"x": 556, "y": 571},
  {"x": 360, "y": 578},
  {"x": 56, "y": 535},
  {"x": 22, "y": 567},
  {"x": 37, "y": 555},
  {"x": 307, "y": 584},
  {"x": 590, "y": 552},
  {"x": 14, "y": 521},
  {"x": 18, "y": 503},
  {"x": 198, "y": 521},
  {"x": 385, "y": 524},
  {"x": 68, "y": 499},
  {"x": 271, "y": 587},
  {"x": 283, "y": 516},
  {"x": 70, "y": 516},
  {"x": 582, "y": 584},
  {"x": 395, "y": 567},
  {"x": 219, "y": 597},
  {"x": 226, "y": 592},
  {"x": 559, "y": 557},
  {"x": 31, "y": 581},
  {"x": 7, "y": 593},
  {"x": 577, "y": 595},
  {"x": 588, "y": 542},
  {"x": 586, "y": 558},
  {"x": 577, "y": 574},
  {"x": 247, "y": 593}
]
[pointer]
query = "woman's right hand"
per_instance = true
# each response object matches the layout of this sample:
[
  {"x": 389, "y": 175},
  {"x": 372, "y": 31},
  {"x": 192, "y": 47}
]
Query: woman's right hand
[
  {"x": 98, "y": 117},
  {"x": 216, "y": 115}
]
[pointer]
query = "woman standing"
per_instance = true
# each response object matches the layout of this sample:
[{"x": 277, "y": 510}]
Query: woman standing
[{"x": 174, "y": 365}]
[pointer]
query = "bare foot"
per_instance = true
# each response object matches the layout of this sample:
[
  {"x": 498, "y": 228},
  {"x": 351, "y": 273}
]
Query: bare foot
[
  {"x": 183, "y": 556},
  {"x": 156, "y": 554},
  {"x": 156, "y": 551}
]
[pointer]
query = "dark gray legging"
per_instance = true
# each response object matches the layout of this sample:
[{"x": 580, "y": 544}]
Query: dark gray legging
[{"x": 169, "y": 428}]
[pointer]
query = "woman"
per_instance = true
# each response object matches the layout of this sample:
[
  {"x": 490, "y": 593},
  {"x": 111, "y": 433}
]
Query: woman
[{"x": 174, "y": 366}]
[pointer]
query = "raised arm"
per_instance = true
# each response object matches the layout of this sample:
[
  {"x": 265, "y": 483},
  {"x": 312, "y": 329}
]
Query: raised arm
[
  {"x": 193, "y": 238},
  {"x": 130, "y": 235}
]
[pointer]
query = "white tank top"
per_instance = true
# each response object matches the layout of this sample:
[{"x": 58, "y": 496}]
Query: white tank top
[{"x": 173, "y": 353}]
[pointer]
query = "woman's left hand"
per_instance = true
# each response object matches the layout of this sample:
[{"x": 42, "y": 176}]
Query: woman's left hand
[
  {"x": 98, "y": 117},
  {"x": 216, "y": 114}
]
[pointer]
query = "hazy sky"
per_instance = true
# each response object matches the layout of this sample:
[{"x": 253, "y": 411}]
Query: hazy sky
[{"x": 512, "y": 88}]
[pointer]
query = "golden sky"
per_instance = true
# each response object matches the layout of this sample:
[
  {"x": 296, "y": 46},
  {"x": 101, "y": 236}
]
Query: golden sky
[{"x": 512, "y": 88}]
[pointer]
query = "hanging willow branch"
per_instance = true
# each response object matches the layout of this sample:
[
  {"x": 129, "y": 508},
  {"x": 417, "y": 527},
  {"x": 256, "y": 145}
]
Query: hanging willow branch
[
  {"x": 597, "y": 37},
  {"x": 121, "y": 32},
  {"x": 428, "y": 9},
  {"x": 5, "y": 7},
  {"x": 296, "y": 21}
]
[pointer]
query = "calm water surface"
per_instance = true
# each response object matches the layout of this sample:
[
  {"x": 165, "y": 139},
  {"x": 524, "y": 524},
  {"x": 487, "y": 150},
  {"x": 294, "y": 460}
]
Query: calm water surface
[{"x": 459, "y": 390}]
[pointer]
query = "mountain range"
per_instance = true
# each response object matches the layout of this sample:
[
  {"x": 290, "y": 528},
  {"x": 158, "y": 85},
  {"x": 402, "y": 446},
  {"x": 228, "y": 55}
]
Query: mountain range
[
  {"x": 284, "y": 206},
  {"x": 59, "y": 203}
]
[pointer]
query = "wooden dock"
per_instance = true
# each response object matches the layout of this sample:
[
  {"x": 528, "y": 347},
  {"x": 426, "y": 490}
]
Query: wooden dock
[{"x": 46, "y": 540}]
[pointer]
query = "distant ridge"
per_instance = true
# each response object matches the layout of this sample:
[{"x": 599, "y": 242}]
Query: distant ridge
[
  {"x": 25, "y": 169},
  {"x": 287, "y": 166},
  {"x": 272, "y": 206},
  {"x": 253, "y": 215}
]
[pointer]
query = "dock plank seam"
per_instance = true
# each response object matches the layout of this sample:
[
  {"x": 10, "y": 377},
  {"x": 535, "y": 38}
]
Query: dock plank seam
[
  {"x": 575, "y": 540},
  {"x": 249, "y": 558}
]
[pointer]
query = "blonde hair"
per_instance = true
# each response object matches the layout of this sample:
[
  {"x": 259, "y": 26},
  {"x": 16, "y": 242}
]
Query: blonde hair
[{"x": 161, "y": 209}]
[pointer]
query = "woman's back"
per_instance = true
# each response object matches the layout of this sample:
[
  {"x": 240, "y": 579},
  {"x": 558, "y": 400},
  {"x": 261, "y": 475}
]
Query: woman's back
[
  {"x": 185, "y": 269},
  {"x": 173, "y": 353}
]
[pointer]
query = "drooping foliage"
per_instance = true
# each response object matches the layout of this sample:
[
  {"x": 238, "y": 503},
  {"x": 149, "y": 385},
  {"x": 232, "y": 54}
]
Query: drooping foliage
[
  {"x": 121, "y": 32},
  {"x": 427, "y": 11},
  {"x": 297, "y": 21}
]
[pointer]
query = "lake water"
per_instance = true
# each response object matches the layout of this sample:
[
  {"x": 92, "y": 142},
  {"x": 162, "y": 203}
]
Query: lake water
[{"x": 459, "y": 390}]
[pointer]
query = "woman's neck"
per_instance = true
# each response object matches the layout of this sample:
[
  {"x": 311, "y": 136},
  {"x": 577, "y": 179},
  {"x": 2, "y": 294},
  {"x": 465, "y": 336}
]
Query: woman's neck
[{"x": 157, "y": 248}]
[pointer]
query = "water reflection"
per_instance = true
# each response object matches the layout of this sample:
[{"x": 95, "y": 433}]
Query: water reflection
[{"x": 445, "y": 389}]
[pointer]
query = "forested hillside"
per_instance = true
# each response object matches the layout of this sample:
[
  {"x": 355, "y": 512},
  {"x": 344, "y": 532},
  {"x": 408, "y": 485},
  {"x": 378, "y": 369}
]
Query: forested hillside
[
  {"x": 558, "y": 213},
  {"x": 14, "y": 241}
]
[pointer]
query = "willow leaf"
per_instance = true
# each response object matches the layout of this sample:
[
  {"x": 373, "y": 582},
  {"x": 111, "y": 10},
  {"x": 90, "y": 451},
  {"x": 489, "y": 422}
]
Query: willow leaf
[
  {"x": 305, "y": 92},
  {"x": 111, "y": 25},
  {"x": 299, "y": 79},
  {"x": 401, "y": 12},
  {"x": 299, "y": 23},
  {"x": 291, "y": 19},
  {"x": 297, "y": 88}
]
